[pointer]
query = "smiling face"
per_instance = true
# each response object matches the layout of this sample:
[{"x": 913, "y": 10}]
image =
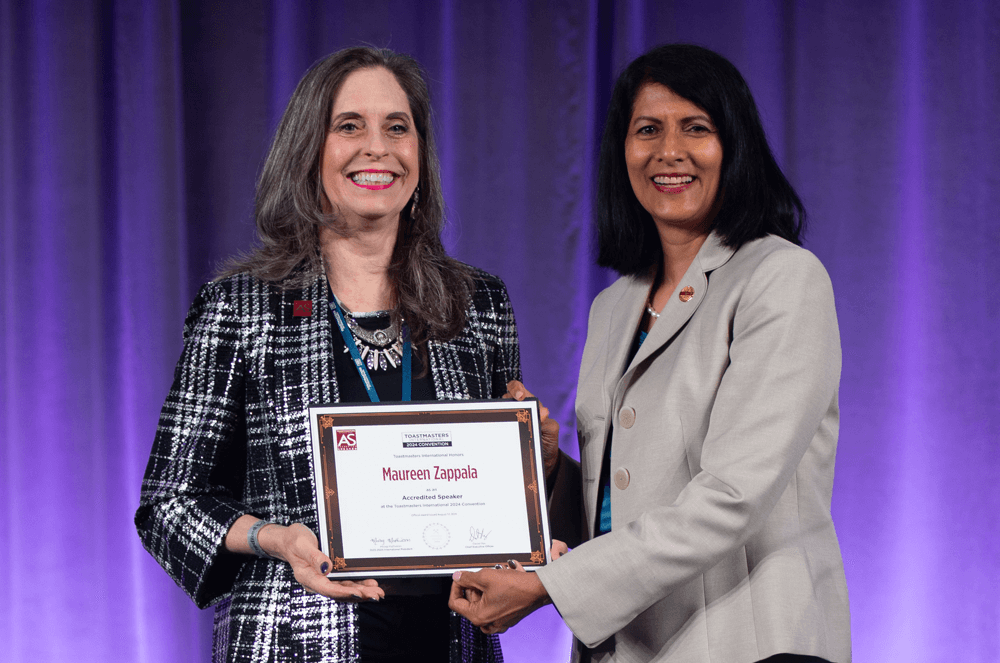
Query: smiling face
[
  {"x": 674, "y": 159},
  {"x": 371, "y": 159}
]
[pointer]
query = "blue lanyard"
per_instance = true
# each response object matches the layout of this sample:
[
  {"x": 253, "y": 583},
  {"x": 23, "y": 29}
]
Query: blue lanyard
[{"x": 359, "y": 364}]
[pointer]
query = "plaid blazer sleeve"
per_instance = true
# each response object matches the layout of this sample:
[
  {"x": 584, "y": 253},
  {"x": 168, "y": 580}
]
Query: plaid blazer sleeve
[{"x": 190, "y": 492}]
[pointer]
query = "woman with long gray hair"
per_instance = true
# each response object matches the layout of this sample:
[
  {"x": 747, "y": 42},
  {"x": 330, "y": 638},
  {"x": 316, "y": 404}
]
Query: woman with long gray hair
[{"x": 349, "y": 213}]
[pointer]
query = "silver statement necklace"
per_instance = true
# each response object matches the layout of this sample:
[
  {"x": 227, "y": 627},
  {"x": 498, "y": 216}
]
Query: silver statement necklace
[{"x": 380, "y": 348}]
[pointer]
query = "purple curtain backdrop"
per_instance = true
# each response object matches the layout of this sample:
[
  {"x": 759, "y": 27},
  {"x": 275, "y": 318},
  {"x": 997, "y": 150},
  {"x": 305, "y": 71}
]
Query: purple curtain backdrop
[{"x": 131, "y": 133}]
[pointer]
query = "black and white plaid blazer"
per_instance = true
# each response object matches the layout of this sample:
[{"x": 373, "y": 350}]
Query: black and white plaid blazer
[{"x": 233, "y": 439}]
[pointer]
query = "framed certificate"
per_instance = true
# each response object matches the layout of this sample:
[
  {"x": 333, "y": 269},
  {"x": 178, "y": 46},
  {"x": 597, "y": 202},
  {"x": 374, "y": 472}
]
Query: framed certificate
[{"x": 408, "y": 489}]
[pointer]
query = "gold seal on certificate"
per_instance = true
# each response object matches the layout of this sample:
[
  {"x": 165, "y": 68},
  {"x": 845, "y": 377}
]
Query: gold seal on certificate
[{"x": 409, "y": 489}]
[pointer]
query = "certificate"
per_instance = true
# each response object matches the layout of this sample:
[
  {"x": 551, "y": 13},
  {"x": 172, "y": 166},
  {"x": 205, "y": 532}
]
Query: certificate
[{"x": 408, "y": 489}]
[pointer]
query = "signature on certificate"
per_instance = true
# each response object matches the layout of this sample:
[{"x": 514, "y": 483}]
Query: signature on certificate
[{"x": 476, "y": 534}]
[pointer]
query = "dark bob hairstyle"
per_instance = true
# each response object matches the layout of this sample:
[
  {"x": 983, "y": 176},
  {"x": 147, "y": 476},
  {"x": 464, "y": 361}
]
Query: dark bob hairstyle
[
  {"x": 431, "y": 289},
  {"x": 756, "y": 198}
]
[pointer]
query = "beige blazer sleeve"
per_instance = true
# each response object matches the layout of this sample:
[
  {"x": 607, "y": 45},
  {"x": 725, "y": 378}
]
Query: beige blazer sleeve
[{"x": 725, "y": 429}]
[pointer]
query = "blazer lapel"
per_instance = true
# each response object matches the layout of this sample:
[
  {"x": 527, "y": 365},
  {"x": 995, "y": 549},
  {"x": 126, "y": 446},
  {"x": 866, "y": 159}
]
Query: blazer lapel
[
  {"x": 303, "y": 375},
  {"x": 683, "y": 303},
  {"x": 622, "y": 327},
  {"x": 623, "y": 322},
  {"x": 301, "y": 347}
]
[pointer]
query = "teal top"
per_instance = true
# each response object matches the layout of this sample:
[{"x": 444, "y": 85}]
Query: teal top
[{"x": 604, "y": 524}]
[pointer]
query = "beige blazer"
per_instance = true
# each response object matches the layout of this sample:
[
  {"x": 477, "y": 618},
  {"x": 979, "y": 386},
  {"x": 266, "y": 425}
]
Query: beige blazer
[{"x": 725, "y": 423}]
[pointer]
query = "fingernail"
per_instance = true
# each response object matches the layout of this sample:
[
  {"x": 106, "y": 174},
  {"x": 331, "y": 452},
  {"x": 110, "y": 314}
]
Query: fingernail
[
  {"x": 498, "y": 567},
  {"x": 324, "y": 567},
  {"x": 374, "y": 599},
  {"x": 456, "y": 575},
  {"x": 512, "y": 563},
  {"x": 358, "y": 596}
]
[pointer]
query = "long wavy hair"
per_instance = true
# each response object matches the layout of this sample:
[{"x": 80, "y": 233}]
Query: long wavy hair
[
  {"x": 432, "y": 290},
  {"x": 756, "y": 198}
]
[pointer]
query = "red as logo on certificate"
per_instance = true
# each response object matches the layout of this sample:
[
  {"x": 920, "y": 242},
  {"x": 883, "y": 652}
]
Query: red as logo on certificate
[
  {"x": 302, "y": 308},
  {"x": 347, "y": 440}
]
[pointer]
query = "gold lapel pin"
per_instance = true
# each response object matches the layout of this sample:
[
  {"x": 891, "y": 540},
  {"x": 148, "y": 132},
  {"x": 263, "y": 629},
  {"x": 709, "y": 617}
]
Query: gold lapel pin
[{"x": 687, "y": 292}]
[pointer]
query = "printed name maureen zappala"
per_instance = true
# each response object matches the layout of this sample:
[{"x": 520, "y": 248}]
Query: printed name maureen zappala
[{"x": 424, "y": 474}]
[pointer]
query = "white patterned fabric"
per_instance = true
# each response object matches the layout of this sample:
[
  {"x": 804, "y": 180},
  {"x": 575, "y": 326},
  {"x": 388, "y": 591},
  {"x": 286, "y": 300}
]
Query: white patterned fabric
[{"x": 233, "y": 439}]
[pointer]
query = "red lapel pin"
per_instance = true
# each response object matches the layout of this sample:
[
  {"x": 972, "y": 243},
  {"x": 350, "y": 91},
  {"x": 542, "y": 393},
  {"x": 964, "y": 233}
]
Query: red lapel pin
[{"x": 302, "y": 308}]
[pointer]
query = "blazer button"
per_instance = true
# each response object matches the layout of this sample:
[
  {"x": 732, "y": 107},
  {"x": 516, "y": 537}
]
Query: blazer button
[
  {"x": 626, "y": 417},
  {"x": 621, "y": 478}
]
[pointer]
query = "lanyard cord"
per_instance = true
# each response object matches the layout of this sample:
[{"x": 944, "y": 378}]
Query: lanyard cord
[{"x": 352, "y": 347}]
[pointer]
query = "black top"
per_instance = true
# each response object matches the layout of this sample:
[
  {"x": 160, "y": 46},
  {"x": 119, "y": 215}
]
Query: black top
[
  {"x": 388, "y": 383},
  {"x": 414, "y": 615}
]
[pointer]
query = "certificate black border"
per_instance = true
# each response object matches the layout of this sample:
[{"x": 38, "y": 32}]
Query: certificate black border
[{"x": 324, "y": 419}]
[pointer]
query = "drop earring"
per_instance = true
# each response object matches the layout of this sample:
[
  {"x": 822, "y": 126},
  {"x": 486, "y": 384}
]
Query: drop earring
[{"x": 416, "y": 199}]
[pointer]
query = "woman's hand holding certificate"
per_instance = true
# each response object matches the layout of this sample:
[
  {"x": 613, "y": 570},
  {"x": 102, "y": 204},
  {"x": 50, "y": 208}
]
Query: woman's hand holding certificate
[{"x": 549, "y": 427}]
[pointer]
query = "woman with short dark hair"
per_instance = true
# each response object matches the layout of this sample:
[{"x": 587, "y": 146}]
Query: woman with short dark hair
[
  {"x": 758, "y": 199},
  {"x": 349, "y": 213},
  {"x": 707, "y": 401}
]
